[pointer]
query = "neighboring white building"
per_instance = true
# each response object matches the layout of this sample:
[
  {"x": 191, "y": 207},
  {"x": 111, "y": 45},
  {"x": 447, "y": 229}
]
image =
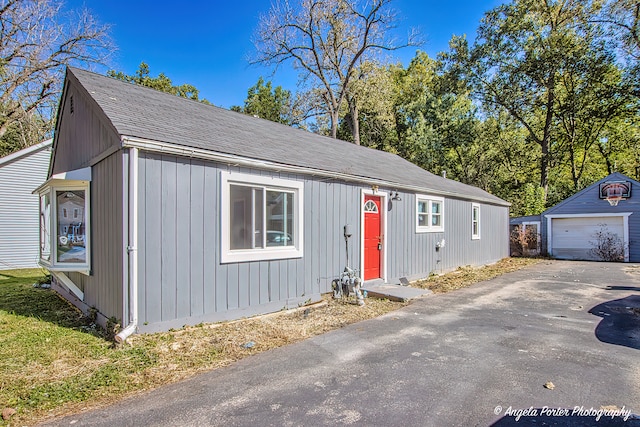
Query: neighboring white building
[{"x": 20, "y": 174}]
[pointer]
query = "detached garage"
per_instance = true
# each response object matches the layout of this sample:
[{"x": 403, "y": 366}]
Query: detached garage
[
  {"x": 574, "y": 236},
  {"x": 603, "y": 219}
]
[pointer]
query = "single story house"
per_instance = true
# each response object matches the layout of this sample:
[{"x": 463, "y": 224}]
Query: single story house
[
  {"x": 602, "y": 219},
  {"x": 194, "y": 213},
  {"x": 20, "y": 173}
]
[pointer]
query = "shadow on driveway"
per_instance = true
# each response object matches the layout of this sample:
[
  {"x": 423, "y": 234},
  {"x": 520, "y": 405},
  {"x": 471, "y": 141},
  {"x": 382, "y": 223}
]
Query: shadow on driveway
[
  {"x": 620, "y": 324},
  {"x": 623, "y": 288}
]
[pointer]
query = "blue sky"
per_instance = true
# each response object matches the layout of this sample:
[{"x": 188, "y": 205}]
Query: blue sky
[{"x": 206, "y": 43}]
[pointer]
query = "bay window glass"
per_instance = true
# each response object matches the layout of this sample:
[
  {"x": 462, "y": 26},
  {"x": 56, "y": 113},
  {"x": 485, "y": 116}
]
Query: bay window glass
[
  {"x": 70, "y": 238},
  {"x": 64, "y": 219},
  {"x": 45, "y": 227}
]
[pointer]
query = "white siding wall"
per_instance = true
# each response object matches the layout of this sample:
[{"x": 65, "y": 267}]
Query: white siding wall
[{"x": 19, "y": 208}]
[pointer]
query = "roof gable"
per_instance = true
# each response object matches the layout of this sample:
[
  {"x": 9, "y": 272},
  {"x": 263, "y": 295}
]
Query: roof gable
[
  {"x": 25, "y": 152},
  {"x": 140, "y": 112},
  {"x": 616, "y": 176},
  {"x": 83, "y": 132}
]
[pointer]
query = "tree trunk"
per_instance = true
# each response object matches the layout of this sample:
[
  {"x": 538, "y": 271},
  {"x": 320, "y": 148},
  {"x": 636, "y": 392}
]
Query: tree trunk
[
  {"x": 354, "y": 123},
  {"x": 546, "y": 137},
  {"x": 334, "y": 124},
  {"x": 334, "y": 108},
  {"x": 605, "y": 156}
]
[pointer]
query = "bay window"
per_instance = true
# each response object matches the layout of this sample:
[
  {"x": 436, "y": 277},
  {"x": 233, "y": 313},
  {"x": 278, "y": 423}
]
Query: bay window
[{"x": 64, "y": 219}]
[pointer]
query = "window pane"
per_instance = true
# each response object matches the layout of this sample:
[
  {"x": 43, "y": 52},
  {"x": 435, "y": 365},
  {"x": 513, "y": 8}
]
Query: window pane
[
  {"x": 370, "y": 206},
  {"x": 45, "y": 227},
  {"x": 531, "y": 236},
  {"x": 422, "y": 206},
  {"x": 290, "y": 221},
  {"x": 258, "y": 226},
  {"x": 436, "y": 215},
  {"x": 241, "y": 208},
  {"x": 280, "y": 218},
  {"x": 423, "y": 220},
  {"x": 71, "y": 232},
  {"x": 475, "y": 222}
]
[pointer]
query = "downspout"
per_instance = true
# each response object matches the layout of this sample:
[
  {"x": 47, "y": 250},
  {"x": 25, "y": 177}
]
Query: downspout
[{"x": 132, "y": 248}]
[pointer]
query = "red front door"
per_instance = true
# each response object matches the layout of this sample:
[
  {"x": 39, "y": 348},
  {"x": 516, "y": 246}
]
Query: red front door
[{"x": 372, "y": 237}]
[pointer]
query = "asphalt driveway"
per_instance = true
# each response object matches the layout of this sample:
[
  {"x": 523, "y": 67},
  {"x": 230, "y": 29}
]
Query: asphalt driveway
[{"x": 476, "y": 357}]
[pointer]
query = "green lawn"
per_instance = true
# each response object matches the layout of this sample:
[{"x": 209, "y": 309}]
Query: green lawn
[
  {"x": 53, "y": 361},
  {"x": 51, "y": 355}
]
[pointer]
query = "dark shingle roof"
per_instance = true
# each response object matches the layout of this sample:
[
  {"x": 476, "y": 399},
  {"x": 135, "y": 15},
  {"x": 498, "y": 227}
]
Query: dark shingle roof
[{"x": 137, "y": 111}]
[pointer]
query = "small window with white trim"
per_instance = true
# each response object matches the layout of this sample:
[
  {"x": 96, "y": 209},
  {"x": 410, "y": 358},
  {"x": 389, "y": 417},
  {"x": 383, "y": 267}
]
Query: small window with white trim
[
  {"x": 261, "y": 218},
  {"x": 475, "y": 221},
  {"x": 429, "y": 214}
]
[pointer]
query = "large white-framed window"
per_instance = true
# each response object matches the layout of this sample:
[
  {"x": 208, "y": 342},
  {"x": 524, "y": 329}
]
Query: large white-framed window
[
  {"x": 261, "y": 217},
  {"x": 65, "y": 237},
  {"x": 429, "y": 214},
  {"x": 475, "y": 221}
]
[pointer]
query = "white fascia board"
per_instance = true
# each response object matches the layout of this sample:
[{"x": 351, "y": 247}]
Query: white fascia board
[
  {"x": 83, "y": 174},
  {"x": 589, "y": 215},
  {"x": 74, "y": 177},
  {"x": 68, "y": 283},
  {"x": 235, "y": 160},
  {"x": 25, "y": 152}
]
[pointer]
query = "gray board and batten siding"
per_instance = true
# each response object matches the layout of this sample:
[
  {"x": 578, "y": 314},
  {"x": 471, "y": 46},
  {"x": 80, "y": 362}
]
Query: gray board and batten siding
[
  {"x": 192, "y": 285},
  {"x": 184, "y": 147},
  {"x": 20, "y": 173},
  {"x": 85, "y": 137}
]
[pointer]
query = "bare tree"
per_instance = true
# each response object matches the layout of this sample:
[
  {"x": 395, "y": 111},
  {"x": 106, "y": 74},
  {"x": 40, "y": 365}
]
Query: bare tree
[
  {"x": 327, "y": 40},
  {"x": 37, "y": 40}
]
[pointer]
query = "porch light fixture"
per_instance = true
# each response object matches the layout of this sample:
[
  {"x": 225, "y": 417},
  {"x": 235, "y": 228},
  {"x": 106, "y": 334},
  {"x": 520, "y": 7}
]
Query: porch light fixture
[{"x": 395, "y": 197}]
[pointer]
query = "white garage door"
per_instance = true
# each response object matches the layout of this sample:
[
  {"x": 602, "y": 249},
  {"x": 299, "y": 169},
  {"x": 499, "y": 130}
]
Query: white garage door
[{"x": 572, "y": 238}]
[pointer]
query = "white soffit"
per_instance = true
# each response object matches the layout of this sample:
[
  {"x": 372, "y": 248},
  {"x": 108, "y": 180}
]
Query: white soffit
[{"x": 80, "y": 176}]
